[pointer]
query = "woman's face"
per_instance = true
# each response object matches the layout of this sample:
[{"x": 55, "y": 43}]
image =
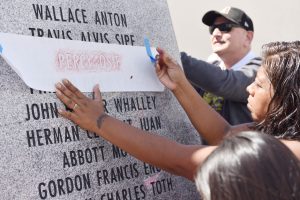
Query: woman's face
[{"x": 260, "y": 95}]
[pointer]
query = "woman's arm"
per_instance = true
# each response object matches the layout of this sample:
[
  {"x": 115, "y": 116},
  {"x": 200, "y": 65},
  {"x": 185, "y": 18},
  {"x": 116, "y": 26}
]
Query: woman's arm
[
  {"x": 212, "y": 126},
  {"x": 166, "y": 154},
  {"x": 294, "y": 146}
]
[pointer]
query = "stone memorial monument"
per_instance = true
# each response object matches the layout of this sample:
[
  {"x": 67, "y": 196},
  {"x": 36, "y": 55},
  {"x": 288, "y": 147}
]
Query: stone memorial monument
[{"x": 42, "y": 155}]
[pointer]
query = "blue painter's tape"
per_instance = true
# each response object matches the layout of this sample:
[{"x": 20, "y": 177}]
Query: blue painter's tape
[
  {"x": 148, "y": 49},
  {"x": 1, "y": 49}
]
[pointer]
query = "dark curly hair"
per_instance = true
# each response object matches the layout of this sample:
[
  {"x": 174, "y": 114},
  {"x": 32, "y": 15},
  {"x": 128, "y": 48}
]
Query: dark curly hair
[{"x": 281, "y": 61}]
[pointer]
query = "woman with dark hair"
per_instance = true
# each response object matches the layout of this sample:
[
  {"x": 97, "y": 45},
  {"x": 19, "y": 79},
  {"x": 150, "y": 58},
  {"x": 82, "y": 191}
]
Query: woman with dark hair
[
  {"x": 250, "y": 165},
  {"x": 282, "y": 68},
  {"x": 275, "y": 94}
]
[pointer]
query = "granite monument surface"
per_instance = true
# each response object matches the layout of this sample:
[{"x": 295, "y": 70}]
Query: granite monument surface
[{"x": 42, "y": 155}]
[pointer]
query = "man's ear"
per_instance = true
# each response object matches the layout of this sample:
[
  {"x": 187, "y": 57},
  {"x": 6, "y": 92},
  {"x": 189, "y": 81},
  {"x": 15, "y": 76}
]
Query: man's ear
[
  {"x": 249, "y": 38},
  {"x": 250, "y": 35}
]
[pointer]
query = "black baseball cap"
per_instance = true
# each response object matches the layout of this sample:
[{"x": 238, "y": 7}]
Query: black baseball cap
[{"x": 235, "y": 15}]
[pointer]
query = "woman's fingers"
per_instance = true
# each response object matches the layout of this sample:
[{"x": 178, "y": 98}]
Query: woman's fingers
[
  {"x": 97, "y": 93},
  {"x": 161, "y": 55},
  {"x": 74, "y": 98},
  {"x": 68, "y": 115},
  {"x": 69, "y": 97},
  {"x": 64, "y": 98},
  {"x": 165, "y": 59},
  {"x": 74, "y": 90},
  {"x": 160, "y": 50}
]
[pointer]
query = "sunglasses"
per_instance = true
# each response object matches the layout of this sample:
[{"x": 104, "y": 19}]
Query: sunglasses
[{"x": 225, "y": 27}]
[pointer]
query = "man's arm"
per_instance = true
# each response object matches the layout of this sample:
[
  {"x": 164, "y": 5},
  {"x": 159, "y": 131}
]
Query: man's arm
[{"x": 229, "y": 84}]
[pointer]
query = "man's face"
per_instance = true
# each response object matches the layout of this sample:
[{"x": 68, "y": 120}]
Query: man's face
[{"x": 228, "y": 43}]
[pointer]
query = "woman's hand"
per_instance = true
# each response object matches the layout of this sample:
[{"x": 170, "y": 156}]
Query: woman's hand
[
  {"x": 168, "y": 70},
  {"x": 87, "y": 113}
]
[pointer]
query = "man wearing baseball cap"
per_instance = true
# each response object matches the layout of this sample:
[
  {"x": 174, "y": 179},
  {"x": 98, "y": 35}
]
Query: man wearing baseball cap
[
  {"x": 234, "y": 15},
  {"x": 223, "y": 82}
]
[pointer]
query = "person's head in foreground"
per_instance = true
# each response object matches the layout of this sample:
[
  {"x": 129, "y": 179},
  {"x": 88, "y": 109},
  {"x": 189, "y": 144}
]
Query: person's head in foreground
[
  {"x": 250, "y": 166},
  {"x": 274, "y": 96}
]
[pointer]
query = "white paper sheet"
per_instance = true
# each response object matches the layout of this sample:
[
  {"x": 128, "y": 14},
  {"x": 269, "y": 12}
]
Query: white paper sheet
[{"x": 41, "y": 62}]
